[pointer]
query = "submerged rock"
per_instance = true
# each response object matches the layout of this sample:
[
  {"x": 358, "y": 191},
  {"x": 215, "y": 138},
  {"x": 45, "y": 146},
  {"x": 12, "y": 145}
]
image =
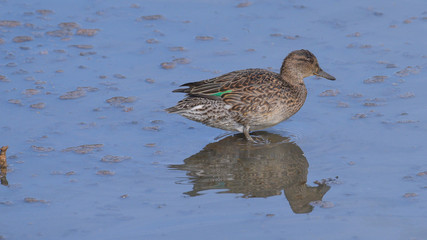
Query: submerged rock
[
  {"x": 42, "y": 149},
  {"x": 114, "y": 159},
  {"x": 73, "y": 95},
  {"x": 375, "y": 79},
  {"x": 119, "y": 100},
  {"x": 168, "y": 65},
  {"x": 152, "y": 17},
  {"x": 84, "y": 149},
  {"x": 87, "y": 32},
  {"x": 20, "y": 39},
  {"x": 204, "y": 38},
  {"x": 329, "y": 93},
  {"x": 8, "y": 23},
  {"x": 38, "y": 105},
  {"x": 105, "y": 172}
]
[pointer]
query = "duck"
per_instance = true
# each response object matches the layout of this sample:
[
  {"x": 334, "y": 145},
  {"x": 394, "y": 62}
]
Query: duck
[{"x": 250, "y": 99}]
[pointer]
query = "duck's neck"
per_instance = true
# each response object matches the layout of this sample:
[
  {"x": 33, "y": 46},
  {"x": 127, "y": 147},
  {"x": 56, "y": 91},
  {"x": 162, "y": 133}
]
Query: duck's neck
[
  {"x": 296, "y": 81},
  {"x": 294, "y": 78}
]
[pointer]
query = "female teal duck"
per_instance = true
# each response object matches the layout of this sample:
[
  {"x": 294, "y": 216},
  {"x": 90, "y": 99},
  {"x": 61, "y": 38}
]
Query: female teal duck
[{"x": 250, "y": 99}]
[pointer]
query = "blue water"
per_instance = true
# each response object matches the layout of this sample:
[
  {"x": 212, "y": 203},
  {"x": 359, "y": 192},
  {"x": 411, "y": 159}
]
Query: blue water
[{"x": 176, "y": 180}]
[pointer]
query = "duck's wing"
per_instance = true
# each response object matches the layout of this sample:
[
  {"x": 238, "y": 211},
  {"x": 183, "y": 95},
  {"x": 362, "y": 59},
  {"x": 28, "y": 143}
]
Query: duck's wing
[{"x": 229, "y": 86}]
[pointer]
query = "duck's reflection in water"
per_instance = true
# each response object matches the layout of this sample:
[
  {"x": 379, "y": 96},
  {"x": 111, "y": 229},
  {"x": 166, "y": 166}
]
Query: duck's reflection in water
[{"x": 264, "y": 170}]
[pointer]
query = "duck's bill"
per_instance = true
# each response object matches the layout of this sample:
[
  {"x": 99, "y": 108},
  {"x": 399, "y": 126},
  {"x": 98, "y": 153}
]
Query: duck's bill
[{"x": 324, "y": 74}]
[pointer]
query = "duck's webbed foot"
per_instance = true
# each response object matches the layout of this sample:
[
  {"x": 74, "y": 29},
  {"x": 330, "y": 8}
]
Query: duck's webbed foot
[{"x": 254, "y": 139}]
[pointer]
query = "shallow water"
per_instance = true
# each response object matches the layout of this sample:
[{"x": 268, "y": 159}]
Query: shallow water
[{"x": 92, "y": 154}]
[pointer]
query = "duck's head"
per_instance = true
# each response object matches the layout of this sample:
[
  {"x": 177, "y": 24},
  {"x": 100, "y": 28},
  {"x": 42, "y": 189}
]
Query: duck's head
[{"x": 303, "y": 63}]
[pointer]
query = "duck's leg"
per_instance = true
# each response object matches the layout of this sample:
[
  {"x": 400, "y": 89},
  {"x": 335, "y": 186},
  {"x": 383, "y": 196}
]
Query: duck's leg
[{"x": 246, "y": 132}]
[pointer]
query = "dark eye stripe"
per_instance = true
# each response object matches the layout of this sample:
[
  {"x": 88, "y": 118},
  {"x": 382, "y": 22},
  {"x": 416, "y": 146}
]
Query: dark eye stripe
[{"x": 303, "y": 59}]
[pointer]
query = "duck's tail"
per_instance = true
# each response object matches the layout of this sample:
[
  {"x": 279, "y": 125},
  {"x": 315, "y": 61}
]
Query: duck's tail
[{"x": 173, "y": 109}]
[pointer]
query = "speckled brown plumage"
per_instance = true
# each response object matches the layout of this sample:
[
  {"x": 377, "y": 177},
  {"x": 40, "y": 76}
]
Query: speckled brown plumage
[{"x": 250, "y": 99}]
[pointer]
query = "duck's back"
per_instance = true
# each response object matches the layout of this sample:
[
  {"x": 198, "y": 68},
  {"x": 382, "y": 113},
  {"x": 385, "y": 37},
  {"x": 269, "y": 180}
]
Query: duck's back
[{"x": 232, "y": 81}]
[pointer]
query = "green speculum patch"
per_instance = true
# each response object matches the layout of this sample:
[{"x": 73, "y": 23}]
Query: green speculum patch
[{"x": 219, "y": 94}]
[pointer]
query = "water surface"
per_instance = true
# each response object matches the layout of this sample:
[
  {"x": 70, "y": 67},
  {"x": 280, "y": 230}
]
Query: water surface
[{"x": 93, "y": 155}]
